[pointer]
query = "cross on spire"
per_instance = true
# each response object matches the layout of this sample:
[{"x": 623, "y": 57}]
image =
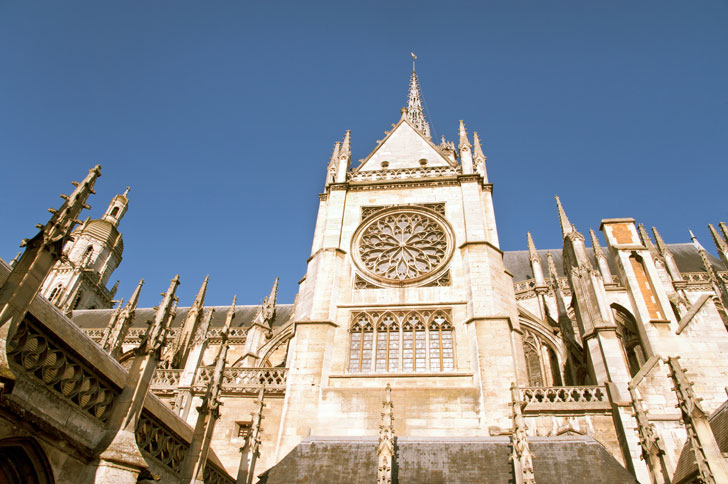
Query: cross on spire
[{"x": 415, "y": 113}]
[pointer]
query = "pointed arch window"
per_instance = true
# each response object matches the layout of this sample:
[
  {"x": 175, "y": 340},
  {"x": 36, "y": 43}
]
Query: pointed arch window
[
  {"x": 402, "y": 342},
  {"x": 361, "y": 345},
  {"x": 542, "y": 364}
]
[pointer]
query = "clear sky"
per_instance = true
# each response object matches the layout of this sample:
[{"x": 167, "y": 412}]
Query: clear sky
[{"x": 221, "y": 116}]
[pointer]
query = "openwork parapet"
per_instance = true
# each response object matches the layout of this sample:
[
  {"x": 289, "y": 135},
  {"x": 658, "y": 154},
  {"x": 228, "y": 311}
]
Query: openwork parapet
[
  {"x": 165, "y": 379},
  {"x": 37, "y": 352},
  {"x": 564, "y": 398},
  {"x": 213, "y": 475},
  {"x": 160, "y": 443},
  {"x": 245, "y": 380},
  {"x": 404, "y": 173}
]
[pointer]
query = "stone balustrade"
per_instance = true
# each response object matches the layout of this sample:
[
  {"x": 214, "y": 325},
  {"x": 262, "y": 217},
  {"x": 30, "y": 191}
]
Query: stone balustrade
[
  {"x": 165, "y": 379},
  {"x": 561, "y": 399},
  {"x": 404, "y": 173},
  {"x": 245, "y": 380}
]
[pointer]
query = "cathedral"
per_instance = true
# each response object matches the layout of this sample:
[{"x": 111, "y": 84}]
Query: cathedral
[{"x": 417, "y": 350}]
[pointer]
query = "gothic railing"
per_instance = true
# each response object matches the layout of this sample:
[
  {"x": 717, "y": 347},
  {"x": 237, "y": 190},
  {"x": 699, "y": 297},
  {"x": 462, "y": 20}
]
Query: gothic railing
[
  {"x": 564, "y": 398},
  {"x": 166, "y": 379},
  {"x": 157, "y": 441},
  {"x": 404, "y": 173},
  {"x": 702, "y": 277},
  {"x": 245, "y": 380}
]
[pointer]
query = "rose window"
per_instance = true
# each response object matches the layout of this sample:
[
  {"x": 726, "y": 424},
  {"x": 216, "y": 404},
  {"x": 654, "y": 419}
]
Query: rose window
[{"x": 403, "y": 245}]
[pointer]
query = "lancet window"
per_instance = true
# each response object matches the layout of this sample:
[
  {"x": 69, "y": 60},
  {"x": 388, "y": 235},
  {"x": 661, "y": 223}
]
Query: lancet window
[
  {"x": 542, "y": 365},
  {"x": 395, "y": 342}
]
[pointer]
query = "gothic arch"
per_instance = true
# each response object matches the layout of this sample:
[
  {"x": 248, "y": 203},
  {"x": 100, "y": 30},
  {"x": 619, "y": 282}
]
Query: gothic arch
[
  {"x": 634, "y": 350},
  {"x": 283, "y": 337},
  {"x": 23, "y": 461},
  {"x": 544, "y": 354}
]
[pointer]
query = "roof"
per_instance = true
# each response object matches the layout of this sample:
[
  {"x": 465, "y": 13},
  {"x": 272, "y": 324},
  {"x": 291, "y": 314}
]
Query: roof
[
  {"x": 686, "y": 467},
  {"x": 447, "y": 460},
  {"x": 517, "y": 262},
  {"x": 244, "y": 315},
  {"x": 100, "y": 230}
]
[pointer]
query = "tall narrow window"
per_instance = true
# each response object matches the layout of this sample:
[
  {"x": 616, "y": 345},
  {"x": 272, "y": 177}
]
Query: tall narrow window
[
  {"x": 401, "y": 342},
  {"x": 420, "y": 346},
  {"x": 56, "y": 292},
  {"x": 360, "y": 353},
  {"x": 408, "y": 347}
]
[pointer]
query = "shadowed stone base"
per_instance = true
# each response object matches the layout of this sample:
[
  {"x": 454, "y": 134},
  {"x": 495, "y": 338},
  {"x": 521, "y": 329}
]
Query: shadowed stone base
[{"x": 557, "y": 460}]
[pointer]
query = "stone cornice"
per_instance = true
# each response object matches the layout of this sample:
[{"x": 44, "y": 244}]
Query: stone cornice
[{"x": 481, "y": 242}]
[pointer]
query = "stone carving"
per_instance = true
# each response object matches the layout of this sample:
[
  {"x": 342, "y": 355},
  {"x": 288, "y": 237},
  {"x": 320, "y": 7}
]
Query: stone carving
[
  {"x": 368, "y": 211},
  {"x": 160, "y": 443},
  {"x": 442, "y": 281},
  {"x": 245, "y": 380},
  {"x": 521, "y": 456},
  {"x": 39, "y": 355},
  {"x": 402, "y": 244},
  {"x": 385, "y": 449},
  {"x": 404, "y": 173},
  {"x": 563, "y": 394},
  {"x": 166, "y": 378}
]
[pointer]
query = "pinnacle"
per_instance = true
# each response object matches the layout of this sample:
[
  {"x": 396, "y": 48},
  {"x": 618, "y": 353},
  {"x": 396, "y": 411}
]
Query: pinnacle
[
  {"x": 477, "y": 148},
  {"x": 566, "y": 227},
  {"x": 464, "y": 142},
  {"x": 415, "y": 113},
  {"x": 695, "y": 241},
  {"x": 531, "y": 246}
]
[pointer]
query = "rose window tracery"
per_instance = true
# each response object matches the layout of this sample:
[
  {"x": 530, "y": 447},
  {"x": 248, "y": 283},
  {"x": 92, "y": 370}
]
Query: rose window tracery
[{"x": 403, "y": 245}]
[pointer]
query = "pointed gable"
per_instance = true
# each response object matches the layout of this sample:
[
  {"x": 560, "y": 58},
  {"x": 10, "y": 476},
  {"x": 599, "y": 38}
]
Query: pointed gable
[{"x": 403, "y": 147}]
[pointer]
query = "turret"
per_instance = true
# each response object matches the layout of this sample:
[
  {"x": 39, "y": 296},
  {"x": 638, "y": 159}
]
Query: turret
[
  {"x": 117, "y": 208},
  {"x": 79, "y": 280}
]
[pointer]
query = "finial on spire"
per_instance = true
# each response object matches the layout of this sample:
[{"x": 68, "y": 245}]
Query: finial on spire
[
  {"x": 126, "y": 192},
  {"x": 566, "y": 227},
  {"x": 415, "y": 113},
  {"x": 414, "y": 58}
]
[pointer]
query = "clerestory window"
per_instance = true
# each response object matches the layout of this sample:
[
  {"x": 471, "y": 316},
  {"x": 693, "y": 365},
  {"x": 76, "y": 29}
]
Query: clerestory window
[{"x": 394, "y": 342}]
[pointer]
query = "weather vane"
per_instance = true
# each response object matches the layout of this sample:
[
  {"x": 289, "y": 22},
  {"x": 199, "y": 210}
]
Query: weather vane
[{"x": 414, "y": 58}]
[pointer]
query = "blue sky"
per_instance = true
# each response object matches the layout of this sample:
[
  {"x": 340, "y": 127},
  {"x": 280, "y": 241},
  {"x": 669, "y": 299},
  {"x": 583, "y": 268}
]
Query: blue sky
[{"x": 221, "y": 116}]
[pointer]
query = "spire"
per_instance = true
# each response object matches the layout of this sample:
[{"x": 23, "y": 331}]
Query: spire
[
  {"x": 176, "y": 354},
  {"x": 648, "y": 242},
  {"x": 724, "y": 229},
  {"x": 200, "y": 298},
  {"x": 466, "y": 156},
  {"x": 566, "y": 227},
  {"x": 595, "y": 245},
  {"x": 331, "y": 168},
  {"x": 464, "y": 142},
  {"x": 536, "y": 268},
  {"x": 268, "y": 308},
  {"x": 344, "y": 157},
  {"x": 415, "y": 114},
  {"x": 600, "y": 258},
  {"x": 154, "y": 339},
  {"x": 532, "y": 254},
  {"x": 42, "y": 252},
  {"x": 126, "y": 192},
  {"x": 478, "y": 154},
  {"x": 720, "y": 244},
  {"x": 479, "y": 157}
]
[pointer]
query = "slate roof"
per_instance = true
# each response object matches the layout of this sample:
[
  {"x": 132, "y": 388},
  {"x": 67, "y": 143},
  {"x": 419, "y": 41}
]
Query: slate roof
[
  {"x": 686, "y": 468},
  {"x": 517, "y": 261},
  {"x": 244, "y": 315},
  {"x": 557, "y": 460}
]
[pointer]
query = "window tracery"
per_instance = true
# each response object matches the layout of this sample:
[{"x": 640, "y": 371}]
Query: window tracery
[
  {"x": 403, "y": 245},
  {"x": 392, "y": 342},
  {"x": 542, "y": 364}
]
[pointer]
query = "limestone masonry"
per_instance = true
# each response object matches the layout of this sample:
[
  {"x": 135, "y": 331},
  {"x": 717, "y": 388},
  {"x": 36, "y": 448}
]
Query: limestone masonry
[{"x": 417, "y": 350}]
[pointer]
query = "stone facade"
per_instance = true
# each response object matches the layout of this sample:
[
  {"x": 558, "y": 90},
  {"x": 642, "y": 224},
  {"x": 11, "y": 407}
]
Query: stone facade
[{"x": 508, "y": 360}]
